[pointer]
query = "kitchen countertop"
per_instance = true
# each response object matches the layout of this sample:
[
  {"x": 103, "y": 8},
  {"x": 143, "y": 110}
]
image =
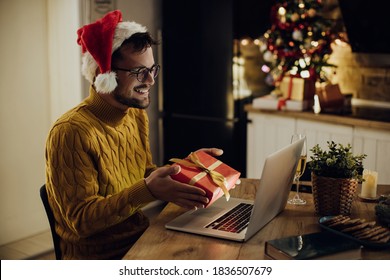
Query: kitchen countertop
[{"x": 367, "y": 117}]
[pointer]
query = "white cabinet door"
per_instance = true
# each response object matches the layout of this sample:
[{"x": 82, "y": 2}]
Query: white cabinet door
[
  {"x": 376, "y": 145},
  {"x": 266, "y": 134},
  {"x": 320, "y": 133}
]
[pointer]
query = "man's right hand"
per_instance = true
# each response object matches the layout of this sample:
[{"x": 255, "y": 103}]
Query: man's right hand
[{"x": 163, "y": 187}]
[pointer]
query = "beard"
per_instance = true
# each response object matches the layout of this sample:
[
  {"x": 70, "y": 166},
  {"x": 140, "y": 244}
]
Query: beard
[{"x": 132, "y": 102}]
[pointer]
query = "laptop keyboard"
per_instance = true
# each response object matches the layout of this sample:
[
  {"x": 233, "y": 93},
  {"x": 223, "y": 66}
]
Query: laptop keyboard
[{"x": 235, "y": 220}]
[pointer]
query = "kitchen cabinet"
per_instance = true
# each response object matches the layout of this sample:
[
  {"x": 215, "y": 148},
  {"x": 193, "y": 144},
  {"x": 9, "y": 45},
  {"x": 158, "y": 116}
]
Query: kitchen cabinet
[
  {"x": 320, "y": 133},
  {"x": 265, "y": 134},
  {"x": 376, "y": 145},
  {"x": 268, "y": 132}
]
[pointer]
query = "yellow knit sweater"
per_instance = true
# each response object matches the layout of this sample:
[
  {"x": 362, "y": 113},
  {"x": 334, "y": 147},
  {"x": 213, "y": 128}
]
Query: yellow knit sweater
[{"x": 96, "y": 160}]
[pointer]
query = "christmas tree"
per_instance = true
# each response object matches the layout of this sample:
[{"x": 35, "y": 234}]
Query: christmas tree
[{"x": 298, "y": 41}]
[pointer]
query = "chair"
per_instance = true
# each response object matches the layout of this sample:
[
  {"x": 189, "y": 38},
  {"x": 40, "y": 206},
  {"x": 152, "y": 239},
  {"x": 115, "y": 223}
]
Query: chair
[{"x": 50, "y": 216}]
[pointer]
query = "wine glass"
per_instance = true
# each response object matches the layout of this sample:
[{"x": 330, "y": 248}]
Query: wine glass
[{"x": 297, "y": 200}]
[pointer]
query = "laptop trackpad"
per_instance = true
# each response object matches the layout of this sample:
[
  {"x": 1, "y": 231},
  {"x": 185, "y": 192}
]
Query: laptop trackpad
[{"x": 207, "y": 212}]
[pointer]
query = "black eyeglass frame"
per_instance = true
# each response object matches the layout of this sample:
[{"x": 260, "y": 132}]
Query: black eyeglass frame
[{"x": 141, "y": 70}]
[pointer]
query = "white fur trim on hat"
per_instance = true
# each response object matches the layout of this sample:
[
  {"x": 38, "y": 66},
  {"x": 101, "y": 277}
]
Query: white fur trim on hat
[
  {"x": 89, "y": 66},
  {"x": 124, "y": 30}
]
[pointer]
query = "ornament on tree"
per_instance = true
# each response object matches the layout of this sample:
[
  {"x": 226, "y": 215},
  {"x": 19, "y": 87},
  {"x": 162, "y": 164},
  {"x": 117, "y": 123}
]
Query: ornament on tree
[
  {"x": 311, "y": 13},
  {"x": 279, "y": 41},
  {"x": 295, "y": 17},
  {"x": 297, "y": 35}
]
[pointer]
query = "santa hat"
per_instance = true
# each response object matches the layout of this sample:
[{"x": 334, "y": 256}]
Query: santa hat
[{"x": 98, "y": 41}]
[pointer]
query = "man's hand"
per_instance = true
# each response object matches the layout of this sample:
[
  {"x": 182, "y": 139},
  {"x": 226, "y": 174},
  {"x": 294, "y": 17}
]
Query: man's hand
[{"x": 163, "y": 187}]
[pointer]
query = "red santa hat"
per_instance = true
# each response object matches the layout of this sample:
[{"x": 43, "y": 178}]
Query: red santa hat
[{"x": 98, "y": 41}]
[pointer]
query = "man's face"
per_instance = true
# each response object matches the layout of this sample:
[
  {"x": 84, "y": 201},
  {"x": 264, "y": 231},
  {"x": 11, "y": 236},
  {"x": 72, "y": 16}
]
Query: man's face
[{"x": 130, "y": 91}]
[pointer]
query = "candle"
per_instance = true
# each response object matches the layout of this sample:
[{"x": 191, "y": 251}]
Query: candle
[
  {"x": 317, "y": 106},
  {"x": 370, "y": 183}
]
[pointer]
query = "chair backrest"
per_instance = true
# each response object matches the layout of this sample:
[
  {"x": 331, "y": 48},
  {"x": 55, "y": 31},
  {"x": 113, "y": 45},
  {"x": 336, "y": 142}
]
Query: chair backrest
[{"x": 50, "y": 216}]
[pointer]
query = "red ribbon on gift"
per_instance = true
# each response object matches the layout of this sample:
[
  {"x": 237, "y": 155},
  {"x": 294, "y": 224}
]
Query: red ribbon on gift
[{"x": 282, "y": 101}]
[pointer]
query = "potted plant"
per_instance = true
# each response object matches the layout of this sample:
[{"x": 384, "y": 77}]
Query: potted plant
[{"x": 335, "y": 174}]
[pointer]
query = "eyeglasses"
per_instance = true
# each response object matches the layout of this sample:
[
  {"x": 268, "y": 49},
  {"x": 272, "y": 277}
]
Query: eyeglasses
[{"x": 142, "y": 73}]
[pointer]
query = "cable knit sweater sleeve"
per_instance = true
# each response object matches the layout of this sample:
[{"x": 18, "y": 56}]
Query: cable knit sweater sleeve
[{"x": 95, "y": 170}]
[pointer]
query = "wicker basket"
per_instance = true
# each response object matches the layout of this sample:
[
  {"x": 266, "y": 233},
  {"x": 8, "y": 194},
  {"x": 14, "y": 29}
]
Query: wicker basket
[{"x": 333, "y": 196}]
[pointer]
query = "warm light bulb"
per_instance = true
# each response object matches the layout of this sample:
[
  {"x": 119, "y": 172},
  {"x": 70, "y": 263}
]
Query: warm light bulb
[
  {"x": 302, "y": 63},
  {"x": 294, "y": 70},
  {"x": 244, "y": 42},
  {"x": 281, "y": 11},
  {"x": 305, "y": 74},
  {"x": 265, "y": 68}
]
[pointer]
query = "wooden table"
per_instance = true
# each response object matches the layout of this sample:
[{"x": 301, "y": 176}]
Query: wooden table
[{"x": 160, "y": 243}]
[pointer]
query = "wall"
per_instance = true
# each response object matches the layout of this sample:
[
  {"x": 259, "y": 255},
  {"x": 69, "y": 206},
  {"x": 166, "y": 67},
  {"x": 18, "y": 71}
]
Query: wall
[
  {"x": 366, "y": 76},
  {"x": 37, "y": 84},
  {"x": 63, "y": 19}
]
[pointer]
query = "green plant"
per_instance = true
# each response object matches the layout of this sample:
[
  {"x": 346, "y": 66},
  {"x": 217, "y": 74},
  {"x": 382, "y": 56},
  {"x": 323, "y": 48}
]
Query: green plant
[{"x": 337, "y": 162}]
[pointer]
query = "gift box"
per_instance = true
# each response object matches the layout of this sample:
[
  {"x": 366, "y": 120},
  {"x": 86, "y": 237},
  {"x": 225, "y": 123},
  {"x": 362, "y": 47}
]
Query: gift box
[
  {"x": 298, "y": 105},
  {"x": 208, "y": 173},
  {"x": 330, "y": 97},
  {"x": 266, "y": 102},
  {"x": 296, "y": 88},
  {"x": 270, "y": 102}
]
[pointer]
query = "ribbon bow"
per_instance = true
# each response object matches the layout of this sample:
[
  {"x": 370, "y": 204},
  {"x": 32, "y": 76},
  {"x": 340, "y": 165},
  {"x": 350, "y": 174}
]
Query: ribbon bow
[{"x": 217, "y": 177}]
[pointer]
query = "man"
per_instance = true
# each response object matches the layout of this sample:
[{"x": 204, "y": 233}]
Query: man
[{"x": 99, "y": 169}]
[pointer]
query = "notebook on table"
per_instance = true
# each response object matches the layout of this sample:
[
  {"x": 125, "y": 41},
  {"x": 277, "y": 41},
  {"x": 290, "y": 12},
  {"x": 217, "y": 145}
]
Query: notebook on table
[{"x": 271, "y": 198}]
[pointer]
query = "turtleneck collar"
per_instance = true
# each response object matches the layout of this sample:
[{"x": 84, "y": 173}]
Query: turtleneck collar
[{"x": 103, "y": 110}]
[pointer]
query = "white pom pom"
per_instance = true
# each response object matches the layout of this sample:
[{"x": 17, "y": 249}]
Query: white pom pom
[{"x": 106, "y": 83}]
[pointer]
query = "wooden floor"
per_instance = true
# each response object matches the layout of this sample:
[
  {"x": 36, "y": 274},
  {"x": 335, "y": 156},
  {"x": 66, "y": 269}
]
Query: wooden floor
[{"x": 37, "y": 247}]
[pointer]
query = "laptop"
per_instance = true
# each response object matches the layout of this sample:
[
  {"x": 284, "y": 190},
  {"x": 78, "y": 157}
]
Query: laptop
[{"x": 271, "y": 199}]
